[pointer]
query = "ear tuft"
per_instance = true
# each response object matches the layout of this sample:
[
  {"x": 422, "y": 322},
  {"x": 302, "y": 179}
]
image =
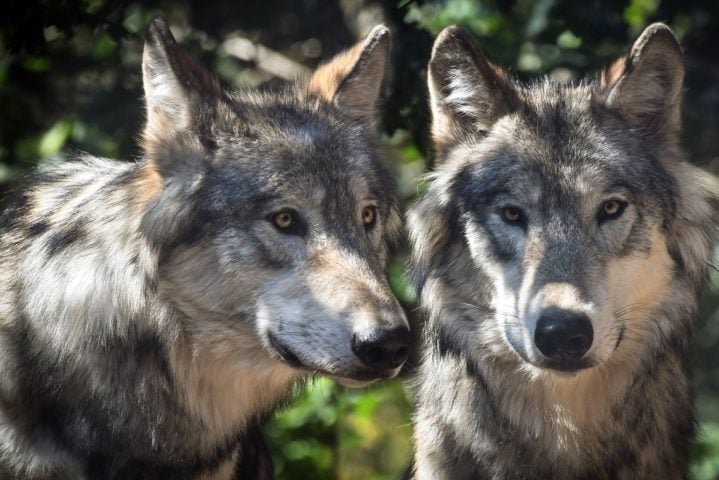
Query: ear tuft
[
  {"x": 646, "y": 85},
  {"x": 467, "y": 92},
  {"x": 352, "y": 80}
]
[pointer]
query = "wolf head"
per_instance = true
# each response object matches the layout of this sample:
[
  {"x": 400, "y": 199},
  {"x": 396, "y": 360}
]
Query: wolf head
[
  {"x": 572, "y": 200},
  {"x": 274, "y": 212}
]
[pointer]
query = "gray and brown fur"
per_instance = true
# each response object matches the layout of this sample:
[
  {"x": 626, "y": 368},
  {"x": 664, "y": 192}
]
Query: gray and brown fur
[
  {"x": 519, "y": 223},
  {"x": 153, "y": 313}
]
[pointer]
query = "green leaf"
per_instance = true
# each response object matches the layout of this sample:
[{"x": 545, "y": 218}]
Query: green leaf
[
  {"x": 105, "y": 46},
  {"x": 54, "y": 139},
  {"x": 398, "y": 280},
  {"x": 35, "y": 63},
  {"x": 6, "y": 173},
  {"x": 638, "y": 12},
  {"x": 568, "y": 40},
  {"x": 705, "y": 465}
]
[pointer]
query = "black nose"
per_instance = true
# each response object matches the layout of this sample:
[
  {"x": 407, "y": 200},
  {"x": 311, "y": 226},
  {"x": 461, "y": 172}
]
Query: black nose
[
  {"x": 382, "y": 349},
  {"x": 563, "y": 334}
]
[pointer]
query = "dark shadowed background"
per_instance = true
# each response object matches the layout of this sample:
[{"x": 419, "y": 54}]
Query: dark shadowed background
[{"x": 70, "y": 80}]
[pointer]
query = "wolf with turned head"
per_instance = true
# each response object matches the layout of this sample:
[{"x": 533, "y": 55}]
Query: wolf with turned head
[
  {"x": 560, "y": 250},
  {"x": 151, "y": 314}
]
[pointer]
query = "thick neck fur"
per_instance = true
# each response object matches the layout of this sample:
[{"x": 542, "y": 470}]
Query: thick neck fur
[
  {"x": 123, "y": 350},
  {"x": 484, "y": 413},
  {"x": 226, "y": 390},
  {"x": 631, "y": 417}
]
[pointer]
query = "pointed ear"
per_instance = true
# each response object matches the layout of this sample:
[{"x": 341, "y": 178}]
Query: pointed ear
[
  {"x": 174, "y": 84},
  {"x": 646, "y": 85},
  {"x": 467, "y": 92},
  {"x": 352, "y": 80}
]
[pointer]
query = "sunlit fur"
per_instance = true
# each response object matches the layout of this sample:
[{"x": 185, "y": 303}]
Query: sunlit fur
[
  {"x": 137, "y": 301},
  {"x": 489, "y": 404}
]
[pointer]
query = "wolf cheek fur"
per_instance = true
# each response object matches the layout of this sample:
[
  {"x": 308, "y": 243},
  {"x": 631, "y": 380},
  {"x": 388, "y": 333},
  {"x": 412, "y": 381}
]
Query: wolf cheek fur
[
  {"x": 152, "y": 314},
  {"x": 559, "y": 250}
]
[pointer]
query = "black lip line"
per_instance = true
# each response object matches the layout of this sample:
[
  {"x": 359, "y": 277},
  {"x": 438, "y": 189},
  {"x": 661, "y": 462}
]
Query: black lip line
[
  {"x": 553, "y": 367},
  {"x": 284, "y": 352},
  {"x": 293, "y": 360},
  {"x": 571, "y": 369}
]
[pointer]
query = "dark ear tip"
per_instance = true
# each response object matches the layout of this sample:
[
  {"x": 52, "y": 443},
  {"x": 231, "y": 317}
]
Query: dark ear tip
[{"x": 158, "y": 31}]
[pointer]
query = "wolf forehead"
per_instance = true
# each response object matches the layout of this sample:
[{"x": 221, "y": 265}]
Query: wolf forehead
[
  {"x": 559, "y": 144},
  {"x": 281, "y": 124},
  {"x": 282, "y": 145}
]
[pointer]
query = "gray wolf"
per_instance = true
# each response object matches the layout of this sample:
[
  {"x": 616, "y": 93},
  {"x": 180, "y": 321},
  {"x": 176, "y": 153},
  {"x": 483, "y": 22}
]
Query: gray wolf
[
  {"x": 152, "y": 314},
  {"x": 559, "y": 250}
]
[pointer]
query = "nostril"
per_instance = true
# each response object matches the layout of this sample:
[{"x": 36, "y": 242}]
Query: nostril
[
  {"x": 396, "y": 356},
  {"x": 546, "y": 344},
  {"x": 373, "y": 355},
  {"x": 400, "y": 355},
  {"x": 578, "y": 342},
  {"x": 382, "y": 349}
]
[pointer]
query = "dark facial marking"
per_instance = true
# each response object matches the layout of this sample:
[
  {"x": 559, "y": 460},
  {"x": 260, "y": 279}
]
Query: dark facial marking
[
  {"x": 475, "y": 189},
  {"x": 283, "y": 351}
]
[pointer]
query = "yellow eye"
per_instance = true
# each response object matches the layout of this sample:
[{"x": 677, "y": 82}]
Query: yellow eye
[
  {"x": 283, "y": 220},
  {"x": 612, "y": 209},
  {"x": 511, "y": 214},
  {"x": 369, "y": 216}
]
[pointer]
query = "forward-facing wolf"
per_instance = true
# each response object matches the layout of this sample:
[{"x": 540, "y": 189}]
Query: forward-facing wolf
[
  {"x": 559, "y": 248},
  {"x": 151, "y": 314}
]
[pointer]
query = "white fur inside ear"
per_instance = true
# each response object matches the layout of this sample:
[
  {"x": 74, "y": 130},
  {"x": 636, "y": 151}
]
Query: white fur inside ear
[
  {"x": 165, "y": 97},
  {"x": 462, "y": 92},
  {"x": 648, "y": 90},
  {"x": 353, "y": 79},
  {"x": 165, "y": 94},
  {"x": 468, "y": 93}
]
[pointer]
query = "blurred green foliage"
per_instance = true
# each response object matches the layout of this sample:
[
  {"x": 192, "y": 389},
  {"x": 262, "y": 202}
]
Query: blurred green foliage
[
  {"x": 706, "y": 463},
  {"x": 331, "y": 432},
  {"x": 70, "y": 80}
]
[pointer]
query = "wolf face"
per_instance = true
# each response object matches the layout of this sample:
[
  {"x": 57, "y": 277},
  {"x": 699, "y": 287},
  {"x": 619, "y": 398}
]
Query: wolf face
[
  {"x": 565, "y": 197},
  {"x": 152, "y": 314},
  {"x": 277, "y": 209},
  {"x": 560, "y": 249}
]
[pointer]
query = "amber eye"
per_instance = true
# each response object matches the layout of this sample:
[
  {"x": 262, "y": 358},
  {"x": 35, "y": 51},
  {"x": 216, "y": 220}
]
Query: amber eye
[
  {"x": 512, "y": 215},
  {"x": 283, "y": 220},
  {"x": 369, "y": 216},
  {"x": 288, "y": 222},
  {"x": 611, "y": 209}
]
